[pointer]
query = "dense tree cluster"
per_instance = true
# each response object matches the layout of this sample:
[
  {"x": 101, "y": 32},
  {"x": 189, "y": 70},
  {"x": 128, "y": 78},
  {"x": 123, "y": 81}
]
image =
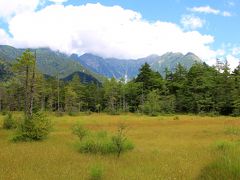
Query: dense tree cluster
[{"x": 201, "y": 89}]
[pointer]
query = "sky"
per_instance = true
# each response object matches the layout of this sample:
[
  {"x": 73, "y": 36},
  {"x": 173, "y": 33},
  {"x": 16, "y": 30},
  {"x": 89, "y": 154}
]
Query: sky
[{"x": 127, "y": 29}]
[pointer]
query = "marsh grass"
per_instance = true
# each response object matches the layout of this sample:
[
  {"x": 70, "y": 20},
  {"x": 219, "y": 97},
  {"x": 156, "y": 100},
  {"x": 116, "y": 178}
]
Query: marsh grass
[
  {"x": 232, "y": 130},
  {"x": 101, "y": 142},
  {"x": 164, "y": 149},
  {"x": 226, "y": 165},
  {"x": 96, "y": 172},
  {"x": 225, "y": 145}
]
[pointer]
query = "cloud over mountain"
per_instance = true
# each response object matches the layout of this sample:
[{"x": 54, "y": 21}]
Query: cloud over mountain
[{"x": 109, "y": 31}]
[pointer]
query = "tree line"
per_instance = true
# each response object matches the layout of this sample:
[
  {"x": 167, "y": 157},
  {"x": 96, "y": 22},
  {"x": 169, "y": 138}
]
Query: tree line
[{"x": 201, "y": 89}]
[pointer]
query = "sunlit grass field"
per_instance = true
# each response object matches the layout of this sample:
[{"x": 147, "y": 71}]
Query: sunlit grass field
[{"x": 166, "y": 147}]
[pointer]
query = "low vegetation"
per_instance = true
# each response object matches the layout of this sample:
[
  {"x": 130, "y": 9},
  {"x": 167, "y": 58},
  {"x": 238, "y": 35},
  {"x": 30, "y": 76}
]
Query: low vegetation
[
  {"x": 33, "y": 128},
  {"x": 232, "y": 130},
  {"x": 226, "y": 165},
  {"x": 9, "y": 122},
  {"x": 96, "y": 173},
  {"x": 164, "y": 148},
  {"x": 101, "y": 142}
]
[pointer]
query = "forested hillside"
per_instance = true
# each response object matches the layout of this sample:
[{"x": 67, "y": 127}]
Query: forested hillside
[{"x": 49, "y": 62}]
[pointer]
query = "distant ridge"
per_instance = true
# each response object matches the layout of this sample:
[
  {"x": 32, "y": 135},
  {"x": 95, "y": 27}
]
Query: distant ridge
[
  {"x": 119, "y": 68},
  {"x": 55, "y": 63}
]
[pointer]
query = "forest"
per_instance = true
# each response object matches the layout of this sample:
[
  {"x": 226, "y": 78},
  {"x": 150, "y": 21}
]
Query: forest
[{"x": 202, "y": 89}]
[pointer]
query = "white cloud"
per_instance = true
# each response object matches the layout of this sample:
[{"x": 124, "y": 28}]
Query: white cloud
[
  {"x": 231, "y": 3},
  {"x": 209, "y": 10},
  {"x": 236, "y": 51},
  {"x": 4, "y": 37},
  {"x": 192, "y": 22},
  {"x": 9, "y": 8},
  {"x": 233, "y": 61},
  {"x": 226, "y": 14},
  {"x": 205, "y": 9},
  {"x": 106, "y": 31},
  {"x": 58, "y": 1}
]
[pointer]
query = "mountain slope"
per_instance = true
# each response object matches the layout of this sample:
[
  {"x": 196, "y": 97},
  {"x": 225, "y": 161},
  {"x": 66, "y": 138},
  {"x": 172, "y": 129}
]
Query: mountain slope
[
  {"x": 85, "y": 78},
  {"x": 5, "y": 72},
  {"x": 120, "y": 68},
  {"x": 49, "y": 62}
]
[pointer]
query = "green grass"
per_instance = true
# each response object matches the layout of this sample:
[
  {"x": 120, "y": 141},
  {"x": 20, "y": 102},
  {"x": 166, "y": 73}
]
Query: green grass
[
  {"x": 226, "y": 165},
  {"x": 164, "y": 148}
]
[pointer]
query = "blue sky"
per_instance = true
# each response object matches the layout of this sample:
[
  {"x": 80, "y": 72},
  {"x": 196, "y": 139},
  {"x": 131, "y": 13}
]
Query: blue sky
[{"x": 125, "y": 28}]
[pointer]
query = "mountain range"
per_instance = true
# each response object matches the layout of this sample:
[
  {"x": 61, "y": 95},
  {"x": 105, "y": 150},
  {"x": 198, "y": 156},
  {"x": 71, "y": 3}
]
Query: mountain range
[
  {"x": 92, "y": 67},
  {"x": 119, "y": 68}
]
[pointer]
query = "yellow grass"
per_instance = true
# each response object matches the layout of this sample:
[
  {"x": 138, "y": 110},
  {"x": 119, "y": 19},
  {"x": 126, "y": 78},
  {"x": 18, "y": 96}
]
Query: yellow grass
[{"x": 164, "y": 149}]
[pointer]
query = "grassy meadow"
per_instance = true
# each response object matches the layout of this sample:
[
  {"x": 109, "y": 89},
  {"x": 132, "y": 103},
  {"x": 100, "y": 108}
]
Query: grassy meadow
[{"x": 166, "y": 147}]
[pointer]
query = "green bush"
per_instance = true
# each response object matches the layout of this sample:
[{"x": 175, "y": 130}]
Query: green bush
[
  {"x": 226, "y": 166},
  {"x": 73, "y": 113},
  {"x": 9, "y": 122},
  {"x": 232, "y": 130},
  {"x": 113, "y": 112},
  {"x": 59, "y": 113},
  {"x": 88, "y": 112},
  {"x": 96, "y": 173},
  {"x": 4, "y": 112},
  {"x": 103, "y": 146},
  {"x": 119, "y": 140},
  {"x": 80, "y": 131},
  {"x": 224, "y": 145},
  {"x": 176, "y": 118},
  {"x": 102, "y": 143},
  {"x": 33, "y": 128}
]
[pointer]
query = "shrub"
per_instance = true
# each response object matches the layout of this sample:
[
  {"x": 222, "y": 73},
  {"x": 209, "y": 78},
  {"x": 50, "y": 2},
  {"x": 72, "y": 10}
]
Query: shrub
[
  {"x": 33, "y": 128},
  {"x": 175, "y": 118},
  {"x": 226, "y": 166},
  {"x": 73, "y": 113},
  {"x": 9, "y": 122},
  {"x": 231, "y": 130},
  {"x": 96, "y": 173},
  {"x": 225, "y": 145},
  {"x": 80, "y": 131},
  {"x": 4, "y": 113},
  {"x": 59, "y": 113},
  {"x": 113, "y": 112},
  {"x": 119, "y": 139},
  {"x": 88, "y": 112},
  {"x": 102, "y": 143}
]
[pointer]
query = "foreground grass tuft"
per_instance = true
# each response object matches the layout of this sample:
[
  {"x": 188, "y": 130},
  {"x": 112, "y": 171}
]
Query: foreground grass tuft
[
  {"x": 225, "y": 145},
  {"x": 226, "y": 165},
  {"x": 96, "y": 173},
  {"x": 232, "y": 130}
]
